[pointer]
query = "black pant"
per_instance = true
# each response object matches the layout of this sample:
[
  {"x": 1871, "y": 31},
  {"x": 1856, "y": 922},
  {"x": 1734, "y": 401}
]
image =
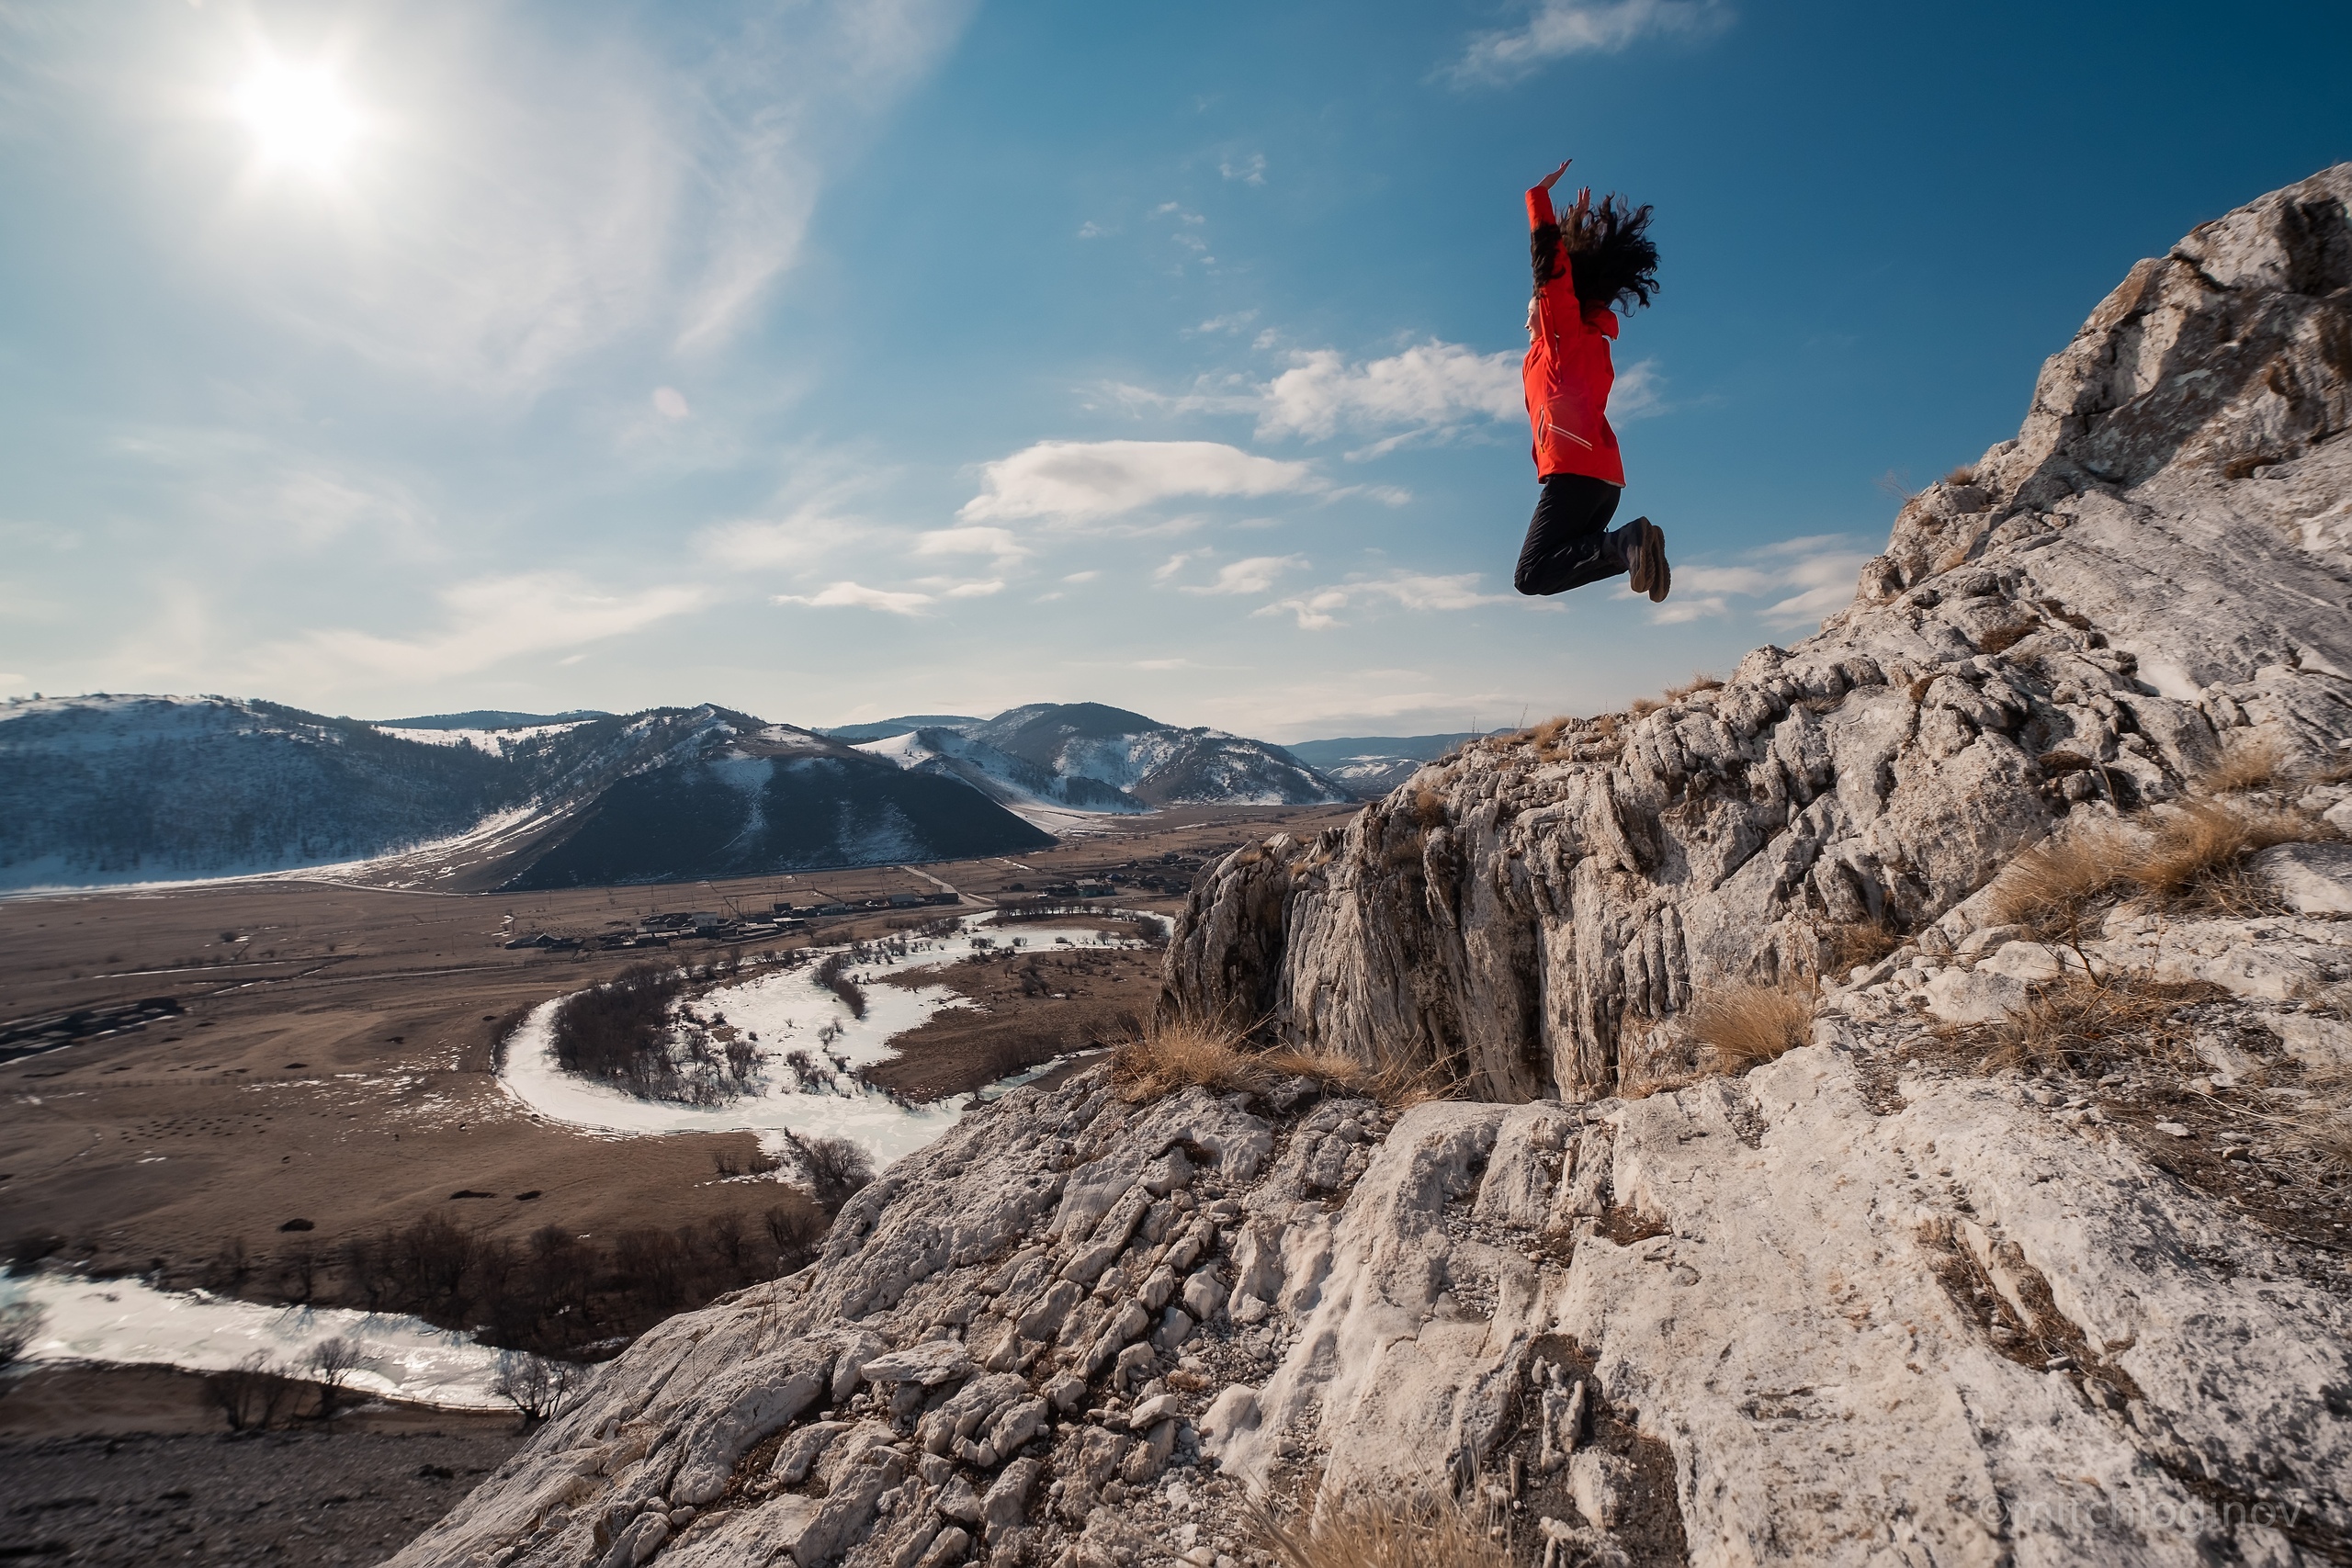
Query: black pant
[{"x": 1569, "y": 542}]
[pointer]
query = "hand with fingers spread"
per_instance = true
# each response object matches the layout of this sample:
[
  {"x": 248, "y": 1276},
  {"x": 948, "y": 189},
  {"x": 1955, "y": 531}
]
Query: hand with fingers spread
[{"x": 1548, "y": 181}]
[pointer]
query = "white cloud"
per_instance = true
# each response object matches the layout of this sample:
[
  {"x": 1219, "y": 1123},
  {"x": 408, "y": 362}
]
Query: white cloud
[
  {"x": 1175, "y": 564},
  {"x": 670, "y": 403},
  {"x": 1089, "y": 229},
  {"x": 1081, "y": 577},
  {"x": 1638, "y": 393},
  {"x": 857, "y": 595},
  {"x": 1820, "y": 568},
  {"x": 1085, "y": 481},
  {"x": 1002, "y": 543},
  {"x": 1255, "y": 575},
  {"x": 1250, "y": 168},
  {"x": 1318, "y": 609},
  {"x": 808, "y": 534},
  {"x": 1562, "y": 27},
  {"x": 486, "y": 622},
  {"x": 1429, "y": 384},
  {"x": 976, "y": 590}
]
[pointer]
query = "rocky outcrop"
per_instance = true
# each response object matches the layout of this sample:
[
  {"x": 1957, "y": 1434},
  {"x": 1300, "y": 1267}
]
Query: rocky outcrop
[
  {"x": 2162, "y": 556},
  {"x": 1931, "y": 1288}
]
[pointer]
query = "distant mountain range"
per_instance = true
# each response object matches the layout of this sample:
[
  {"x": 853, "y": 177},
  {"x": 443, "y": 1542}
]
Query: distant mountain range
[
  {"x": 1050, "y": 761},
  {"x": 109, "y": 789},
  {"x": 1369, "y": 766},
  {"x": 117, "y": 789}
]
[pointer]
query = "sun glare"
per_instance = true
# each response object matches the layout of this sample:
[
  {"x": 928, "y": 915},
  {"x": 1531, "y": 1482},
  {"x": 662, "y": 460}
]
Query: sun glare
[{"x": 299, "y": 116}]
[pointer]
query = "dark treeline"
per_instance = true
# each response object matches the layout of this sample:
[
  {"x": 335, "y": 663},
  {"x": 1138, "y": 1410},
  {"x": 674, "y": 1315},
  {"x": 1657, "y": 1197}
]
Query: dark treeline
[
  {"x": 618, "y": 1032},
  {"x": 551, "y": 1293}
]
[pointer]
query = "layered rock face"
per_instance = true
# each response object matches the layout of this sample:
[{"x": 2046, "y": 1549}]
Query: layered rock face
[
  {"x": 2161, "y": 556},
  {"x": 1892, "y": 1298}
]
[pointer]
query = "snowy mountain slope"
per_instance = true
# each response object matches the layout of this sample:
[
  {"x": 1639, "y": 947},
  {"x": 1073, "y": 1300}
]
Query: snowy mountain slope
[
  {"x": 1160, "y": 764},
  {"x": 884, "y": 729},
  {"x": 1036, "y": 794},
  {"x": 108, "y": 789},
  {"x": 115, "y": 789},
  {"x": 489, "y": 719}
]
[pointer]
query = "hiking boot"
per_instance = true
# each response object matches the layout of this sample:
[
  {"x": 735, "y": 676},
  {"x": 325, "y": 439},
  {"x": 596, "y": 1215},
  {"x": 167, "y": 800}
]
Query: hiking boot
[{"x": 1650, "y": 573}]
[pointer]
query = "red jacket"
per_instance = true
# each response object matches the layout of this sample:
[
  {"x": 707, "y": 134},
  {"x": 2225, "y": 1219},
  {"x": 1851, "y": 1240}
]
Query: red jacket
[{"x": 1568, "y": 374}]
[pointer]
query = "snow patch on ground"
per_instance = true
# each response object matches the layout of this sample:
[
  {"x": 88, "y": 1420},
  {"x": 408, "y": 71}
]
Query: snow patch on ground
[{"x": 125, "y": 1323}]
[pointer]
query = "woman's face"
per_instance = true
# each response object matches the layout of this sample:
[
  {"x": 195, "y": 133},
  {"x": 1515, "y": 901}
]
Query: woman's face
[{"x": 1531, "y": 316}]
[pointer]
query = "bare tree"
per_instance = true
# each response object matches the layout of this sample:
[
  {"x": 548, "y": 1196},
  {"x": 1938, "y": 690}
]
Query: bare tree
[
  {"x": 332, "y": 1361},
  {"x": 20, "y": 1324},
  {"x": 297, "y": 1273},
  {"x": 539, "y": 1387},
  {"x": 249, "y": 1395},
  {"x": 795, "y": 1225},
  {"x": 231, "y": 1266}
]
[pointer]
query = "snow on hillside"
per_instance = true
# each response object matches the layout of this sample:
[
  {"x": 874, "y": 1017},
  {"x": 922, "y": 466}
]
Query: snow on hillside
[{"x": 497, "y": 743}]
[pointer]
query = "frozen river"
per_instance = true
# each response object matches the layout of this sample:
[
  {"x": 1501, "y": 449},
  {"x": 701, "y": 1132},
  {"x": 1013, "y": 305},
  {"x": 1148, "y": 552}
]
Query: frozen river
[
  {"x": 124, "y": 1322},
  {"x": 789, "y": 1010}
]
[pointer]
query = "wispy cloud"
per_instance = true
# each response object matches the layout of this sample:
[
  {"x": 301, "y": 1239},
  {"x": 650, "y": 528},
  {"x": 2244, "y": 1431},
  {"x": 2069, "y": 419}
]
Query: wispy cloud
[
  {"x": 1807, "y": 578},
  {"x": 1319, "y": 609},
  {"x": 1257, "y": 574},
  {"x": 486, "y": 622},
  {"x": 1250, "y": 168},
  {"x": 1001, "y": 543},
  {"x": 1085, "y": 481},
  {"x": 1562, "y": 28},
  {"x": 801, "y": 537},
  {"x": 857, "y": 596},
  {"x": 1429, "y": 391}
]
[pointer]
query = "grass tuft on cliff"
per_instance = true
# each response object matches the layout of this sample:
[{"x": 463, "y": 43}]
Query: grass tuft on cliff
[
  {"x": 1358, "y": 1531},
  {"x": 1750, "y": 1024}
]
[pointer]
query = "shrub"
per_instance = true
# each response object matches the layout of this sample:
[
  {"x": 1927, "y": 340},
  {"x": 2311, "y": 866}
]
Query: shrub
[
  {"x": 836, "y": 1168},
  {"x": 1702, "y": 682},
  {"x": 795, "y": 1225},
  {"x": 1750, "y": 1024},
  {"x": 1392, "y": 1085},
  {"x": 1963, "y": 475},
  {"x": 1359, "y": 1531},
  {"x": 833, "y": 975}
]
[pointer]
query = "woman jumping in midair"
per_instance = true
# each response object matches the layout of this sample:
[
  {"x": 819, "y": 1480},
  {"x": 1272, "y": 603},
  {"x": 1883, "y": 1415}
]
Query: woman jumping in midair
[{"x": 1601, "y": 257}]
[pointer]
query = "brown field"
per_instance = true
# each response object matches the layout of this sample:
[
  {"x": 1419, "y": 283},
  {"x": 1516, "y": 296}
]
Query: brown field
[{"x": 333, "y": 1059}]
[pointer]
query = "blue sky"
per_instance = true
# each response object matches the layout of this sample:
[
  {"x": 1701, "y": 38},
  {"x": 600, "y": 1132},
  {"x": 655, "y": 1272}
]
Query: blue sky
[{"x": 838, "y": 360}]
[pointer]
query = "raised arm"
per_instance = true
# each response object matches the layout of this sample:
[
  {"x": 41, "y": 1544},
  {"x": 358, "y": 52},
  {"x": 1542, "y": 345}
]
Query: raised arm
[{"x": 1556, "y": 299}]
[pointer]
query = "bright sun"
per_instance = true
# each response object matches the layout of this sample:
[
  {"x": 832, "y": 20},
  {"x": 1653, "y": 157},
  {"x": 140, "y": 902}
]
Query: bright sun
[{"x": 297, "y": 115}]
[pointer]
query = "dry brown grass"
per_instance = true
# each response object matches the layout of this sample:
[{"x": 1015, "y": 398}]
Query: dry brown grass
[
  {"x": 1429, "y": 808},
  {"x": 1642, "y": 707},
  {"x": 2250, "y": 762},
  {"x": 2083, "y": 1025},
  {"x": 1394, "y": 1084},
  {"x": 2047, "y": 888},
  {"x": 1853, "y": 942},
  {"x": 1363, "y": 1532},
  {"x": 2195, "y": 847},
  {"x": 2001, "y": 639},
  {"x": 1750, "y": 1024},
  {"x": 2322, "y": 1129},
  {"x": 1963, "y": 475},
  {"x": 1182, "y": 1053},
  {"x": 1702, "y": 682}
]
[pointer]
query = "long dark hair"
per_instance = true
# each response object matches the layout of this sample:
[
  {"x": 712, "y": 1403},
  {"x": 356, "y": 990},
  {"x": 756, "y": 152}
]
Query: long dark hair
[{"x": 1615, "y": 259}]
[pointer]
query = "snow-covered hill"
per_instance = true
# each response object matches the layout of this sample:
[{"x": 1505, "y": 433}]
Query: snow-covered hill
[
  {"x": 1055, "y": 802},
  {"x": 109, "y": 789},
  {"x": 1372, "y": 765},
  {"x": 1158, "y": 764}
]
